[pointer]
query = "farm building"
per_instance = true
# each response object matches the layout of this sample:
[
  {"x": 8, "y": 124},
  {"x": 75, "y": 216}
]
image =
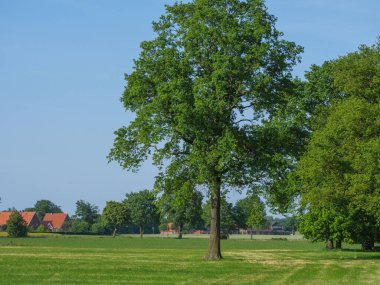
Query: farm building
[
  {"x": 55, "y": 221},
  {"x": 30, "y": 218}
]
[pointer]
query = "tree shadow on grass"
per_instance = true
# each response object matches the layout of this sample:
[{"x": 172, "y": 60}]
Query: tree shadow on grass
[{"x": 376, "y": 249}]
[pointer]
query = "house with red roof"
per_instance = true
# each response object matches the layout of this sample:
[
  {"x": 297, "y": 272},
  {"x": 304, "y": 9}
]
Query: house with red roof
[
  {"x": 55, "y": 221},
  {"x": 30, "y": 218}
]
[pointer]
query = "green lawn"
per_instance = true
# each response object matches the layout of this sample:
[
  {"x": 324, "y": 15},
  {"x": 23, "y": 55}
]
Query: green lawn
[{"x": 130, "y": 260}]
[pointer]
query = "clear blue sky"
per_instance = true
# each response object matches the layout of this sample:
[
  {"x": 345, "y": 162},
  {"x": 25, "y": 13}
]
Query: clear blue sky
[{"x": 61, "y": 77}]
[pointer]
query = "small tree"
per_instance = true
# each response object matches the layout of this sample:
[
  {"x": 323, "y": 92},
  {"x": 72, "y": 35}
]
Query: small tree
[
  {"x": 41, "y": 229},
  {"x": 16, "y": 225},
  {"x": 257, "y": 213},
  {"x": 86, "y": 212},
  {"x": 180, "y": 202},
  {"x": 142, "y": 208},
  {"x": 116, "y": 215}
]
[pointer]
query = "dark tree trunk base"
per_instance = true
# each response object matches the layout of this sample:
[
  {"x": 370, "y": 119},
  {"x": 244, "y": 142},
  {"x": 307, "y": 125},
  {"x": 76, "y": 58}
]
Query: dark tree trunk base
[
  {"x": 368, "y": 245},
  {"x": 330, "y": 244},
  {"x": 338, "y": 244}
]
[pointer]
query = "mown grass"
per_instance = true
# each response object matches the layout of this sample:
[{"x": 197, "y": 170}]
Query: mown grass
[{"x": 126, "y": 260}]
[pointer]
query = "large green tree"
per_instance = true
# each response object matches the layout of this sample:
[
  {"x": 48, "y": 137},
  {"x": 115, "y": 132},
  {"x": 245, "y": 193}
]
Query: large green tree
[
  {"x": 44, "y": 206},
  {"x": 142, "y": 208},
  {"x": 340, "y": 172},
  {"x": 341, "y": 100},
  {"x": 116, "y": 214},
  {"x": 209, "y": 91},
  {"x": 86, "y": 212}
]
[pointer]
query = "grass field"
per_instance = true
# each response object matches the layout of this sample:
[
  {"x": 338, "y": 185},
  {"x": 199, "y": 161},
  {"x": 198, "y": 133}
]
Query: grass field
[{"x": 130, "y": 260}]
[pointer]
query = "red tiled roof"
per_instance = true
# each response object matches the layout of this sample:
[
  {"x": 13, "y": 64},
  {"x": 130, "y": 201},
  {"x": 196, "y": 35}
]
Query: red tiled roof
[
  {"x": 56, "y": 220},
  {"x": 4, "y": 216},
  {"x": 27, "y": 216}
]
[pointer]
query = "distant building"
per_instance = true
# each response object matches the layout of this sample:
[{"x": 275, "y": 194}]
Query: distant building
[
  {"x": 30, "y": 218},
  {"x": 170, "y": 230},
  {"x": 55, "y": 221}
]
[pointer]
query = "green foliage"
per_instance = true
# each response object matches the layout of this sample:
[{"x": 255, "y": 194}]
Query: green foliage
[
  {"x": 213, "y": 91},
  {"x": 227, "y": 215},
  {"x": 163, "y": 226},
  {"x": 338, "y": 176},
  {"x": 86, "y": 212},
  {"x": 116, "y": 214},
  {"x": 358, "y": 73},
  {"x": 41, "y": 228},
  {"x": 16, "y": 226},
  {"x": 242, "y": 211},
  {"x": 179, "y": 201},
  {"x": 256, "y": 217},
  {"x": 341, "y": 169},
  {"x": 100, "y": 228},
  {"x": 355, "y": 75},
  {"x": 142, "y": 208},
  {"x": 250, "y": 212},
  {"x": 45, "y": 206},
  {"x": 78, "y": 226}
]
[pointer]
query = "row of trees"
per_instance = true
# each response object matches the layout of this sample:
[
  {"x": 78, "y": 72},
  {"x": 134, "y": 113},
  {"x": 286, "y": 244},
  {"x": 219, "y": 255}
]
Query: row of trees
[
  {"x": 186, "y": 213},
  {"x": 145, "y": 209}
]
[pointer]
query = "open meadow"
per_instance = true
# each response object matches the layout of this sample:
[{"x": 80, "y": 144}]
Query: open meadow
[{"x": 154, "y": 260}]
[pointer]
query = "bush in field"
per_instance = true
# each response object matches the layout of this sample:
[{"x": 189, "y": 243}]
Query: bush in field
[
  {"x": 41, "y": 229},
  {"x": 16, "y": 226},
  {"x": 100, "y": 228},
  {"x": 79, "y": 226}
]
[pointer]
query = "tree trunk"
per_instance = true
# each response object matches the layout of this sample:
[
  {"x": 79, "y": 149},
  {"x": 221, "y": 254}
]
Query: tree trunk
[
  {"x": 114, "y": 232},
  {"x": 338, "y": 244},
  {"x": 368, "y": 245},
  {"x": 214, "y": 252},
  {"x": 251, "y": 233},
  {"x": 180, "y": 232},
  {"x": 141, "y": 231},
  {"x": 330, "y": 244}
]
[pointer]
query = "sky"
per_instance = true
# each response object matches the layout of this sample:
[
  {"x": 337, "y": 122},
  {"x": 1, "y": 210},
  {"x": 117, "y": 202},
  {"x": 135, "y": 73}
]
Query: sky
[{"x": 62, "y": 65}]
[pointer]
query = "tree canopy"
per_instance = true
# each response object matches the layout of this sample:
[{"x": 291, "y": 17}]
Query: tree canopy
[
  {"x": 179, "y": 201},
  {"x": 41, "y": 207},
  {"x": 86, "y": 212},
  {"x": 142, "y": 208},
  {"x": 340, "y": 171},
  {"x": 208, "y": 91},
  {"x": 116, "y": 214},
  {"x": 338, "y": 176},
  {"x": 16, "y": 225},
  {"x": 227, "y": 215}
]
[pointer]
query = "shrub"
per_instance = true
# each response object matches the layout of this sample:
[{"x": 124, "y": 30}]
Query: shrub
[
  {"x": 41, "y": 228},
  {"x": 16, "y": 226}
]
